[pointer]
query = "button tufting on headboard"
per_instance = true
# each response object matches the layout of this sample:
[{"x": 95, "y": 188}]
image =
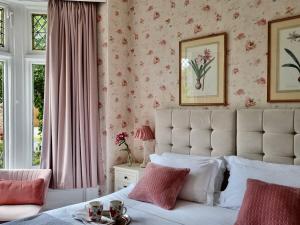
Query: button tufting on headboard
[
  {"x": 271, "y": 135},
  {"x": 196, "y": 132}
]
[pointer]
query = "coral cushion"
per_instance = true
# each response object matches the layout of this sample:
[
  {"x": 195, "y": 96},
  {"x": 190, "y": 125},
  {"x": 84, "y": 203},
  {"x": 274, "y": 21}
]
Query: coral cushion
[
  {"x": 269, "y": 204},
  {"x": 160, "y": 185},
  {"x": 15, "y": 192}
]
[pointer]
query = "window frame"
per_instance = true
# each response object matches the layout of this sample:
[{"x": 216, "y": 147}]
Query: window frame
[
  {"x": 32, "y": 57},
  {"x": 33, "y": 11},
  {"x": 32, "y": 39},
  {"x": 18, "y": 106},
  {"x": 30, "y": 104},
  {"x": 7, "y": 26},
  {"x": 7, "y": 109},
  {"x": 4, "y": 26},
  {"x": 6, "y": 57}
]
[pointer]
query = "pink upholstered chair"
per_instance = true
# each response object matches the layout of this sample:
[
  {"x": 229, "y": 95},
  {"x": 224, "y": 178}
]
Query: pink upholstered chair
[{"x": 14, "y": 212}]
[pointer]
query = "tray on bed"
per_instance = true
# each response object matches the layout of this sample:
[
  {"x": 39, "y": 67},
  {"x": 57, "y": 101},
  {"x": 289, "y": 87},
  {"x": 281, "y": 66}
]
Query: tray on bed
[{"x": 82, "y": 216}]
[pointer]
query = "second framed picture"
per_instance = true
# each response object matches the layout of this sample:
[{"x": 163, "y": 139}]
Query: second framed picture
[
  {"x": 202, "y": 72},
  {"x": 284, "y": 60}
]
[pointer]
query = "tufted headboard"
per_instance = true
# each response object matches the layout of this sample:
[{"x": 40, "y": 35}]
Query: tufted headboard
[
  {"x": 271, "y": 135},
  {"x": 195, "y": 132}
]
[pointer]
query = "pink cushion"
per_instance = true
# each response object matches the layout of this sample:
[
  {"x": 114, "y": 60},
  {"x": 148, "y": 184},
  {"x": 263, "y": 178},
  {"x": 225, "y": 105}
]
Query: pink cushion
[
  {"x": 160, "y": 185},
  {"x": 27, "y": 174},
  {"x": 14, "y": 192},
  {"x": 269, "y": 204}
]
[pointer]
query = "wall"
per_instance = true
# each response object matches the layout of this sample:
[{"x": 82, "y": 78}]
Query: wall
[
  {"x": 142, "y": 64},
  {"x": 114, "y": 95}
]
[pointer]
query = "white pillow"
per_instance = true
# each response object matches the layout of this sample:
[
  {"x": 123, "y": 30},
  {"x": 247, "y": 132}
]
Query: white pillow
[
  {"x": 219, "y": 159},
  {"x": 199, "y": 185},
  {"x": 242, "y": 169}
]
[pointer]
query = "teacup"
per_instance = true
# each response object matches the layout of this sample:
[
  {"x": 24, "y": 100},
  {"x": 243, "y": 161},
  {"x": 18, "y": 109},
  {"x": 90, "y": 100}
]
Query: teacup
[
  {"x": 117, "y": 209},
  {"x": 94, "y": 210}
]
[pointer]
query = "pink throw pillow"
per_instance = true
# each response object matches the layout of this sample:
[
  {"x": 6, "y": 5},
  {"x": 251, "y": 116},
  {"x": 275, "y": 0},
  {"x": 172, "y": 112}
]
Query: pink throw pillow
[
  {"x": 269, "y": 204},
  {"x": 160, "y": 185},
  {"x": 15, "y": 192}
]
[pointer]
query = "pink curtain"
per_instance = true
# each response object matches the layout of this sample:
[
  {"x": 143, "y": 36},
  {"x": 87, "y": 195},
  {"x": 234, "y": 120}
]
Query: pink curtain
[{"x": 71, "y": 146}]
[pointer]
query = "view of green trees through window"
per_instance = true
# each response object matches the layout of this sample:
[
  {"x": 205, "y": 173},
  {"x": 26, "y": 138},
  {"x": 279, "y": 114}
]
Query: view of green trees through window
[
  {"x": 38, "y": 74},
  {"x": 1, "y": 115}
]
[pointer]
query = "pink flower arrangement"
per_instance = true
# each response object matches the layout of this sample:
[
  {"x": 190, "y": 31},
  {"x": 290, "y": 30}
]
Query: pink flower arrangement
[{"x": 121, "y": 139}]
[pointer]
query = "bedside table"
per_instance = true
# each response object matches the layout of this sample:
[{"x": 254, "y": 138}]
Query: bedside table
[{"x": 126, "y": 175}]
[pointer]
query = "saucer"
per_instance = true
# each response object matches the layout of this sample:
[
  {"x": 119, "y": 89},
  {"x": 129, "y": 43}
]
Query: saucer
[
  {"x": 123, "y": 220},
  {"x": 81, "y": 215}
]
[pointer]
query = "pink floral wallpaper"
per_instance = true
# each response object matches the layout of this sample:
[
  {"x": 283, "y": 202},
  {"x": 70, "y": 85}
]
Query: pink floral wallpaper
[{"x": 138, "y": 57}]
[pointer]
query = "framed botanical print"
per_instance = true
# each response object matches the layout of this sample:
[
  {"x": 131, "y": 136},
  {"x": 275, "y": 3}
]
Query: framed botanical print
[
  {"x": 284, "y": 60},
  {"x": 202, "y": 72}
]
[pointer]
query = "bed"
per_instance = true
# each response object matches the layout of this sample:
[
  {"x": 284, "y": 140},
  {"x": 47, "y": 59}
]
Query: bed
[
  {"x": 271, "y": 135},
  {"x": 148, "y": 214}
]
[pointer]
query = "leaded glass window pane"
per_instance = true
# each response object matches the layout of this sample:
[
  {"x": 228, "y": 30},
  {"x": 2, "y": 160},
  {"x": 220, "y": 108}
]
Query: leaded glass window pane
[
  {"x": 39, "y": 31},
  {"x": 2, "y": 27}
]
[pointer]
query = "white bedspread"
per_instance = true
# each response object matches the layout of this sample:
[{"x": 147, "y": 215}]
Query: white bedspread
[{"x": 147, "y": 214}]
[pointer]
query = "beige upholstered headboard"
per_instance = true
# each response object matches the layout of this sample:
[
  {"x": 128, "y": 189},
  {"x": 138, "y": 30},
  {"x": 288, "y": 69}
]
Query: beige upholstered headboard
[
  {"x": 271, "y": 135},
  {"x": 195, "y": 132}
]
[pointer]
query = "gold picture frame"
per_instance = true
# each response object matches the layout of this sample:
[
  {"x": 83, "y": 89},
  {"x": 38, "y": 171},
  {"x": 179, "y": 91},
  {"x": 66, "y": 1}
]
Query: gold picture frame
[
  {"x": 202, "y": 71},
  {"x": 283, "y": 60}
]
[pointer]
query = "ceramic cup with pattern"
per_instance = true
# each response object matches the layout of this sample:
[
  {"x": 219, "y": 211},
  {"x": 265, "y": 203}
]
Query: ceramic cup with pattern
[
  {"x": 116, "y": 209},
  {"x": 94, "y": 210}
]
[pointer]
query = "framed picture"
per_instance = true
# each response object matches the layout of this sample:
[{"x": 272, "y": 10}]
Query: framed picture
[
  {"x": 202, "y": 72},
  {"x": 284, "y": 60}
]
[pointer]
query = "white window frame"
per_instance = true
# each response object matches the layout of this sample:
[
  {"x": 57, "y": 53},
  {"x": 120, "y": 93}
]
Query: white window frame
[
  {"x": 19, "y": 57},
  {"x": 6, "y": 57},
  {"x": 6, "y": 105},
  {"x": 33, "y": 10},
  {"x": 32, "y": 57},
  {"x": 7, "y": 24},
  {"x": 30, "y": 95}
]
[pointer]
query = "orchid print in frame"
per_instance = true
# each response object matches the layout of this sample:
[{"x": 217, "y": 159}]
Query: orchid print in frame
[
  {"x": 283, "y": 60},
  {"x": 295, "y": 65},
  {"x": 201, "y": 66},
  {"x": 202, "y": 74}
]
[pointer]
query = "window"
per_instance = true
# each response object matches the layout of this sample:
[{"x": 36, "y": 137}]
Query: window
[
  {"x": 38, "y": 77},
  {"x": 2, "y": 27},
  {"x": 39, "y": 31},
  {"x": 22, "y": 69},
  {"x": 1, "y": 114}
]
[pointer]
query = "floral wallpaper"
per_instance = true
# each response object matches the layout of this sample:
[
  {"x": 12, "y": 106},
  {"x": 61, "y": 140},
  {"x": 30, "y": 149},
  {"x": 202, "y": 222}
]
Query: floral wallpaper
[{"x": 138, "y": 58}]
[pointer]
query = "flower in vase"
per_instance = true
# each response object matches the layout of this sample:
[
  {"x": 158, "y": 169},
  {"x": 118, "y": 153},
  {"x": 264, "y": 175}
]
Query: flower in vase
[{"x": 121, "y": 140}]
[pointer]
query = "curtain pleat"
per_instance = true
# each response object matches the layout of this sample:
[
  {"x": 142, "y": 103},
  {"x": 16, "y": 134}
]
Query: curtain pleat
[{"x": 71, "y": 146}]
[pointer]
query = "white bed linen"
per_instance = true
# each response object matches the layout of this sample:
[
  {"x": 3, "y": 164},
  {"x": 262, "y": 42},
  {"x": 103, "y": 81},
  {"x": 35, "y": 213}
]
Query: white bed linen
[{"x": 185, "y": 213}]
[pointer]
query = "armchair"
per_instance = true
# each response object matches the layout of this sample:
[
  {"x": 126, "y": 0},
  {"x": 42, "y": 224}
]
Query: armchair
[{"x": 14, "y": 212}]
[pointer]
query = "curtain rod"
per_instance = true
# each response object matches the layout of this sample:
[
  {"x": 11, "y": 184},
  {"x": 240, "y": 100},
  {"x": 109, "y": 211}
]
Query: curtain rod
[
  {"x": 85, "y": 0},
  {"x": 45, "y": 1}
]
